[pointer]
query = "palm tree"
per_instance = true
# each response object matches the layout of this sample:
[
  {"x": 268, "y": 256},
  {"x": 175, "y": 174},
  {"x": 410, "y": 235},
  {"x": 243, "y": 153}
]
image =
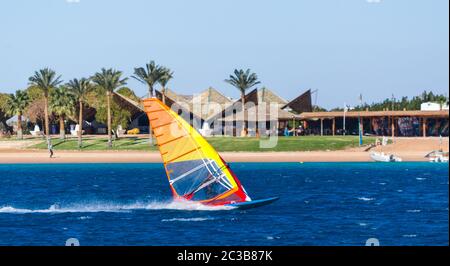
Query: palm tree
[
  {"x": 166, "y": 76},
  {"x": 46, "y": 80},
  {"x": 109, "y": 80},
  {"x": 62, "y": 103},
  {"x": 243, "y": 80},
  {"x": 150, "y": 75},
  {"x": 80, "y": 89},
  {"x": 16, "y": 105}
]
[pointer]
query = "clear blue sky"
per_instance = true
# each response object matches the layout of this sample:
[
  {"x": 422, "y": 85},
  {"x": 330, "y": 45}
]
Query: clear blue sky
[{"x": 341, "y": 47}]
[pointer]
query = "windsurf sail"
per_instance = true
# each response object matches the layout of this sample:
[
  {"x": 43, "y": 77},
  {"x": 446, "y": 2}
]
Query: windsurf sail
[{"x": 195, "y": 170}]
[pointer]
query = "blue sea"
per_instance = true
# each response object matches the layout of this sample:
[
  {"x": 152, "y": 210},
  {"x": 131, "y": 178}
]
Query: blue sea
[{"x": 321, "y": 204}]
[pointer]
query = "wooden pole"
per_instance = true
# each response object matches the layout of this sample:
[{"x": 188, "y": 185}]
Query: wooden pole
[
  {"x": 334, "y": 126},
  {"x": 371, "y": 125},
  {"x": 424, "y": 127},
  {"x": 393, "y": 126},
  {"x": 293, "y": 127},
  {"x": 361, "y": 125},
  {"x": 438, "y": 126},
  {"x": 321, "y": 126}
]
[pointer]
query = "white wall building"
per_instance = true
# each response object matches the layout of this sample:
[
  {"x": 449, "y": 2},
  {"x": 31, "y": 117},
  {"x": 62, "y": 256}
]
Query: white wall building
[{"x": 430, "y": 106}]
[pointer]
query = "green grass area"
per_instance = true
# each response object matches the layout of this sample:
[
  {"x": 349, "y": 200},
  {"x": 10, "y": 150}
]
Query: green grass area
[
  {"x": 304, "y": 143},
  {"x": 99, "y": 144}
]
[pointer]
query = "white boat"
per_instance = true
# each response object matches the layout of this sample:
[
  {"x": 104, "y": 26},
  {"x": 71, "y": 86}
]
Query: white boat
[
  {"x": 437, "y": 156},
  {"x": 439, "y": 159},
  {"x": 382, "y": 157}
]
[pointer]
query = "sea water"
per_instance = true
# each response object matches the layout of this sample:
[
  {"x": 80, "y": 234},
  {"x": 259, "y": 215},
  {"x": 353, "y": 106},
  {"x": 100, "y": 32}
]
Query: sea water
[{"x": 320, "y": 204}]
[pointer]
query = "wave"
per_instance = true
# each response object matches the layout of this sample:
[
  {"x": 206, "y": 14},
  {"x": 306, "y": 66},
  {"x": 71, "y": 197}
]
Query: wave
[
  {"x": 185, "y": 206},
  {"x": 366, "y": 199},
  {"x": 72, "y": 209},
  {"x": 196, "y": 219},
  {"x": 113, "y": 207},
  {"x": 362, "y": 224},
  {"x": 84, "y": 218}
]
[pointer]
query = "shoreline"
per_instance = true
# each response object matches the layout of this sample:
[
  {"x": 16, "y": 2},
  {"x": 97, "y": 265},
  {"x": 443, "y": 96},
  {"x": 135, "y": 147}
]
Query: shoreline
[
  {"x": 30, "y": 157},
  {"x": 409, "y": 149}
]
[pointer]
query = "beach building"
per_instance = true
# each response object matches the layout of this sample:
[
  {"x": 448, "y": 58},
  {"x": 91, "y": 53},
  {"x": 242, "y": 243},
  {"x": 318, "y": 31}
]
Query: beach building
[
  {"x": 380, "y": 123},
  {"x": 203, "y": 105},
  {"x": 263, "y": 115},
  {"x": 195, "y": 108},
  {"x": 300, "y": 104},
  {"x": 213, "y": 113},
  {"x": 430, "y": 106}
]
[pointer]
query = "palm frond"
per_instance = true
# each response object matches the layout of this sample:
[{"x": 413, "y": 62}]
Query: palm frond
[
  {"x": 109, "y": 79},
  {"x": 150, "y": 75},
  {"x": 62, "y": 101},
  {"x": 243, "y": 80},
  {"x": 45, "y": 79},
  {"x": 17, "y": 102}
]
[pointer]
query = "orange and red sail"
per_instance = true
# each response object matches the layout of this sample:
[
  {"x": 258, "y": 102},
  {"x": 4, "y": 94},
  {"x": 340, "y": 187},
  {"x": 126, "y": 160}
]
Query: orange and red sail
[{"x": 195, "y": 170}]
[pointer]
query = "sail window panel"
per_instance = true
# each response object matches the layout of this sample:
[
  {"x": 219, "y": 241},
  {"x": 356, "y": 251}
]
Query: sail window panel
[
  {"x": 193, "y": 178},
  {"x": 209, "y": 192},
  {"x": 186, "y": 176}
]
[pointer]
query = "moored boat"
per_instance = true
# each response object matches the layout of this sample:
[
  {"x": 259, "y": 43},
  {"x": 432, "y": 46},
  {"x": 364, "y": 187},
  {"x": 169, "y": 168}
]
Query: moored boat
[
  {"x": 437, "y": 156},
  {"x": 383, "y": 157}
]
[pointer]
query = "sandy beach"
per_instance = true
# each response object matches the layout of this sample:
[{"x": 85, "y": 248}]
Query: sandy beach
[{"x": 409, "y": 149}]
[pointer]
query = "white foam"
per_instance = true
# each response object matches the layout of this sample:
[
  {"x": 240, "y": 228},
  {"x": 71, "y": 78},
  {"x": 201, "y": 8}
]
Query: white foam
[
  {"x": 185, "y": 206},
  {"x": 366, "y": 199},
  {"x": 72, "y": 209},
  {"x": 91, "y": 207},
  {"x": 196, "y": 219},
  {"x": 84, "y": 218},
  {"x": 362, "y": 224},
  {"x": 413, "y": 210}
]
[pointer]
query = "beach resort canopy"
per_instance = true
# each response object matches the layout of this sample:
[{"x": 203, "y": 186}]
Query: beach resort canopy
[
  {"x": 392, "y": 116},
  {"x": 302, "y": 103},
  {"x": 430, "y": 114},
  {"x": 262, "y": 114}
]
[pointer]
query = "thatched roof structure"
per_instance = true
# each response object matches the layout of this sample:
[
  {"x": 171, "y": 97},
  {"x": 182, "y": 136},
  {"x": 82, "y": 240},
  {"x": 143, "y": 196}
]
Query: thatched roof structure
[
  {"x": 302, "y": 103},
  {"x": 258, "y": 98},
  {"x": 268, "y": 96},
  {"x": 203, "y": 105},
  {"x": 255, "y": 114},
  {"x": 135, "y": 108}
]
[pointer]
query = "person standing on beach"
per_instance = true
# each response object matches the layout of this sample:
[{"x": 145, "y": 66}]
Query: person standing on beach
[{"x": 50, "y": 149}]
